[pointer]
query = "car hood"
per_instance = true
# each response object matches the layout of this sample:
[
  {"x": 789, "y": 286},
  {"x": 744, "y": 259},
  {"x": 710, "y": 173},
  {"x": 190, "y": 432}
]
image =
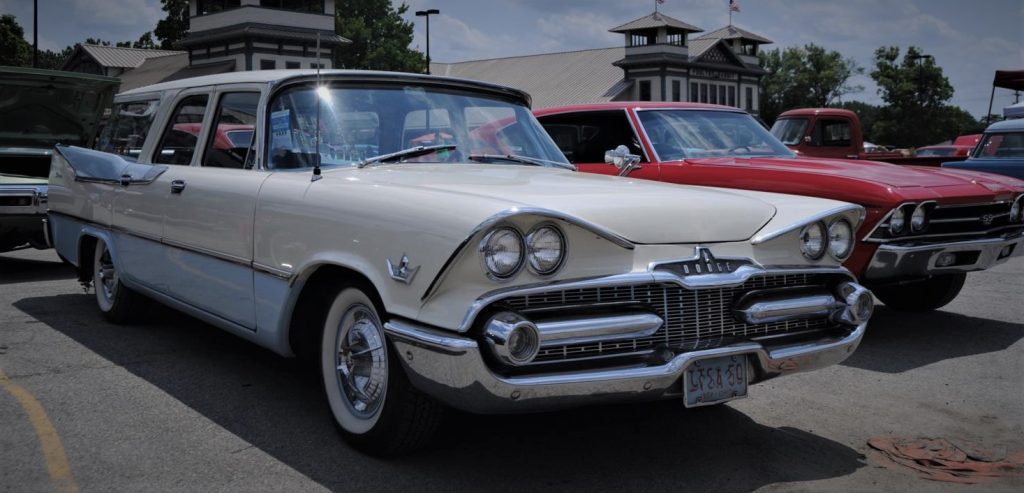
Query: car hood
[
  {"x": 40, "y": 108},
  {"x": 641, "y": 211},
  {"x": 891, "y": 175}
]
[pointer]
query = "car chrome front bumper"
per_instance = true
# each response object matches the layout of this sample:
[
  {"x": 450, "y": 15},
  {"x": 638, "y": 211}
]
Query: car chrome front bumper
[
  {"x": 451, "y": 368},
  {"x": 895, "y": 262}
]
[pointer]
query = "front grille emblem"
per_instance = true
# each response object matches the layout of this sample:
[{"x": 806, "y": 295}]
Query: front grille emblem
[
  {"x": 704, "y": 262},
  {"x": 987, "y": 219}
]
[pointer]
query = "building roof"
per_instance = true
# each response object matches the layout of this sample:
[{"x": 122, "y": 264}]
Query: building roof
[
  {"x": 733, "y": 32},
  {"x": 656, "y": 19},
  {"x": 114, "y": 56},
  {"x": 552, "y": 78},
  {"x": 251, "y": 29},
  {"x": 152, "y": 71}
]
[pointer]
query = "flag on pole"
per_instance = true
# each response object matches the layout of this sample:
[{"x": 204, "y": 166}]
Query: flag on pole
[
  {"x": 734, "y": 6},
  {"x": 660, "y": 1}
]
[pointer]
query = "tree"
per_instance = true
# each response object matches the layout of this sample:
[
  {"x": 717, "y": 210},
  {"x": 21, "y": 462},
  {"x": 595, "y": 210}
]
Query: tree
[
  {"x": 808, "y": 76},
  {"x": 174, "y": 27},
  {"x": 380, "y": 37},
  {"x": 915, "y": 92},
  {"x": 14, "y": 50},
  {"x": 145, "y": 41}
]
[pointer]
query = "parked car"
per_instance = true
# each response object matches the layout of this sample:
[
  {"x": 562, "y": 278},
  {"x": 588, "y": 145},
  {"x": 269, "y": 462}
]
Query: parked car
[
  {"x": 1001, "y": 150},
  {"x": 925, "y": 227},
  {"x": 960, "y": 147},
  {"x": 490, "y": 280},
  {"x": 40, "y": 108},
  {"x": 836, "y": 133}
]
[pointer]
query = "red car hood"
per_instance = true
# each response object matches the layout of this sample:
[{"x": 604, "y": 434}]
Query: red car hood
[{"x": 875, "y": 172}]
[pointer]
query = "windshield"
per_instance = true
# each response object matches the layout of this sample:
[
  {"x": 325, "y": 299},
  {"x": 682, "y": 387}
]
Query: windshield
[
  {"x": 358, "y": 124},
  {"x": 790, "y": 130},
  {"x": 1001, "y": 145},
  {"x": 681, "y": 134}
]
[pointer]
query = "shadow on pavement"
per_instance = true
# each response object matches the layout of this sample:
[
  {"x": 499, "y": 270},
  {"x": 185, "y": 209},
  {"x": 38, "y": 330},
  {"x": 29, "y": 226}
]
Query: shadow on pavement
[
  {"x": 900, "y": 341},
  {"x": 15, "y": 270},
  {"x": 276, "y": 404}
]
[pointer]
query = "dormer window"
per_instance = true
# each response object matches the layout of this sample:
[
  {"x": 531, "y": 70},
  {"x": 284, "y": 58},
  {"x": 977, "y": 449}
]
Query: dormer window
[
  {"x": 748, "y": 48},
  {"x": 214, "y": 6},
  {"x": 678, "y": 39}
]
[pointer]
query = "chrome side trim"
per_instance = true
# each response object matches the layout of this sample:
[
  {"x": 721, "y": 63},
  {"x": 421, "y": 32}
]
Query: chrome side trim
[
  {"x": 590, "y": 329},
  {"x": 738, "y": 277},
  {"x": 274, "y": 271},
  {"x": 452, "y": 370},
  {"x": 207, "y": 252},
  {"x": 763, "y": 237},
  {"x": 516, "y": 211}
]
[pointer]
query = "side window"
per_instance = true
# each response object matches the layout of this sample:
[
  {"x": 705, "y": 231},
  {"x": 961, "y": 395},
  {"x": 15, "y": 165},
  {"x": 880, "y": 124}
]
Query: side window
[
  {"x": 229, "y": 143},
  {"x": 127, "y": 128},
  {"x": 833, "y": 133},
  {"x": 178, "y": 143},
  {"x": 585, "y": 137}
]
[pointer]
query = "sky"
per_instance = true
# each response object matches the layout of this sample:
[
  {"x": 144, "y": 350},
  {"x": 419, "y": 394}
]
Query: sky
[{"x": 969, "y": 39}]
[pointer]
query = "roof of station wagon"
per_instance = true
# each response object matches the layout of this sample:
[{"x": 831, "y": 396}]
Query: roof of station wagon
[{"x": 268, "y": 76}]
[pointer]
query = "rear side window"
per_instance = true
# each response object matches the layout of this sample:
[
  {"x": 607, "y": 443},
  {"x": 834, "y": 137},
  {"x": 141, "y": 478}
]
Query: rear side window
[
  {"x": 833, "y": 133},
  {"x": 127, "y": 128},
  {"x": 230, "y": 140},
  {"x": 178, "y": 143}
]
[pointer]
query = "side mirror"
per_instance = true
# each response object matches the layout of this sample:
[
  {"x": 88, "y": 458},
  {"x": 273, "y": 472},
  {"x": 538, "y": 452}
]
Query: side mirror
[
  {"x": 622, "y": 159},
  {"x": 807, "y": 139}
]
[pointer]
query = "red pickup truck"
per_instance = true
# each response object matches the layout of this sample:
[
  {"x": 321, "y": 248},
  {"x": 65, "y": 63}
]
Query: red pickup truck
[{"x": 836, "y": 133}]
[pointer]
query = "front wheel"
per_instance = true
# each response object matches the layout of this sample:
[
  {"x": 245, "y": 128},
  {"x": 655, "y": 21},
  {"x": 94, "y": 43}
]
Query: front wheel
[
  {"x": 375, "y": 407},
  {"x": 117, "y": 302},
  {"x": 924, "y": 295}
]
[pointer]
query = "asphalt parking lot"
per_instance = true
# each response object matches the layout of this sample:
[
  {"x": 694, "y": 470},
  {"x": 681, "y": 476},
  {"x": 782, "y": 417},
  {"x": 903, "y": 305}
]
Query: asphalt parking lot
[{"x": 175, "y": 405}]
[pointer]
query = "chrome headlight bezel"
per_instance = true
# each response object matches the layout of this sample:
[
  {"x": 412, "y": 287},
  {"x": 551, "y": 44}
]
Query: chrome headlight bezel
[
  {"x": 805, "y": 236},
  {"x": 487, "y": 249},
  {"x": 1017, "y": 210},
  {"x": 919, "y": 223},
  {"x": 531, "y": 250},
  {"x": 898, "y": 220},
  {"x": 841, "y": 254}
]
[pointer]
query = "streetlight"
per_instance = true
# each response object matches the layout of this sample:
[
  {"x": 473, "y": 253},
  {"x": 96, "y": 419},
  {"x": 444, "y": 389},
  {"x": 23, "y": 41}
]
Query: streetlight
[
  {"x": 427, "y": 14},
  {"x": 920, "y": 73}
]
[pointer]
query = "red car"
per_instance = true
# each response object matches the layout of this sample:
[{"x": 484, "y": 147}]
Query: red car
[
  {"x": 961, "y": 147},
  {"x": 925, "y": 227}
]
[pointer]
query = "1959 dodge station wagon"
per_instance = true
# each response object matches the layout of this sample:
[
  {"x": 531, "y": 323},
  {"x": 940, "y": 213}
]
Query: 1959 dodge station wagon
[
  {"x": 925, "y": 229},
  {"x": 427, "y": 244}
]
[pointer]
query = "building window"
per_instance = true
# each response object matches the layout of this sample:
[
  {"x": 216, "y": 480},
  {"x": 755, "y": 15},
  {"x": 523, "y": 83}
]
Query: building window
[
  {"x": 316, "y": 65},
  {"x": 312, "y": 6},
  {"x": 213, "y": 6},
  {"x": 268, "y": 64},
  {"x": 713, "y": 94},
  {"x": 676, "y": 39},
  {"x": 750, "y": 99},
  {"x": 749, "y": 49},
  {"x": 721, "y": 95},
  {"x": 732, "y": 96},
  {"x": 645, "y": 90},
  {"x": 693, "y": 92},
  {"x": 643, "y": 38},
  {"x": 703, "y": 93},
  {"x": 292, "y": 65},
  {"x": 677, "y": 91}
]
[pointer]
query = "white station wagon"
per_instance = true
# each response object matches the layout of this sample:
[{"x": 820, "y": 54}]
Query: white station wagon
[{"x": 424, "y": 240}]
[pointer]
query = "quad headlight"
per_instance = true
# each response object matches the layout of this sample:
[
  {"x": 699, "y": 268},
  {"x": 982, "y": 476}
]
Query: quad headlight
[
  {"x": 545, "y": 249},
  {"x": 813, "y": 240},
  {"x": 1017, "y": 210},
  {"x": 919, "y": 218},
  {"x": 502, "y": 251},
  {"x": 840, "y": 239},
  {"x": 898, "y": 221}
]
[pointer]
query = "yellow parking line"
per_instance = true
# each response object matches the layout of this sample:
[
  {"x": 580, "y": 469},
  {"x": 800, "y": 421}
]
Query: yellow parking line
[{"x": 56, "y": 460}]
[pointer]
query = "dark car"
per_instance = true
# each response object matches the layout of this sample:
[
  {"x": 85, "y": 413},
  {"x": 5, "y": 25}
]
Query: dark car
[{"x": 1001, "y": 150}]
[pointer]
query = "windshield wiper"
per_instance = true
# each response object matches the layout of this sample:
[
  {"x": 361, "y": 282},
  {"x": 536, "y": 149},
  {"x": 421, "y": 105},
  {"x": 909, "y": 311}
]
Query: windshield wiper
[
  {"x": 519, "y": 159},
  {"x": 404, "y": 153}
]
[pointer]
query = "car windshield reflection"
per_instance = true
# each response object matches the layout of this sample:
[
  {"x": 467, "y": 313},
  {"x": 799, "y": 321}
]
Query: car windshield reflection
[
  {"x": 361, "y": 124},
  {"x": 682, "y": 134}
]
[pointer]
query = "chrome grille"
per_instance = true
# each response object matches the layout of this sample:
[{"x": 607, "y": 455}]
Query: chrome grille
[
  {"x": 694, "y": 319},
  {"x": 967, "y": 220}
]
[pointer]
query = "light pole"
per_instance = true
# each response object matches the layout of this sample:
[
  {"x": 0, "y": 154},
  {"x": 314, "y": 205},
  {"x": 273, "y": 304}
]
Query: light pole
[
  {"x": 427, "y": 14},
  {"x": 920, "y": 74}
]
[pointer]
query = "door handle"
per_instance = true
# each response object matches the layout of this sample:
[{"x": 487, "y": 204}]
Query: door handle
[{"x": 177, "y": 186}]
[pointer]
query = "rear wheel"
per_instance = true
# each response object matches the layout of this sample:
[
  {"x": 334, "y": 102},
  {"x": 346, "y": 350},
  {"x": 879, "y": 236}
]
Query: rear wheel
[
  {"x": 924, "y": 295},
  {"x": 116, "y": 301},
  {"x": 375, "y": 407}
]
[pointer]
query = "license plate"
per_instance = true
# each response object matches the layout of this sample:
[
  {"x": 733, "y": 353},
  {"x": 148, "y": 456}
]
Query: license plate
[{"x": 714, "y": 380}]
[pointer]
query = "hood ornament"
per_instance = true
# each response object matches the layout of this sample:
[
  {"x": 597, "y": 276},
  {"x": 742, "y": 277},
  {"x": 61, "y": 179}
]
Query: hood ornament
[{"x": 402, "y": 272}]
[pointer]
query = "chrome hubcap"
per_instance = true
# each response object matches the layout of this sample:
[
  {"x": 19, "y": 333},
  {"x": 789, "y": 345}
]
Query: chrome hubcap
[
  {"x": 106, "y": 275},
  {"x": 362, "y": 361}
]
